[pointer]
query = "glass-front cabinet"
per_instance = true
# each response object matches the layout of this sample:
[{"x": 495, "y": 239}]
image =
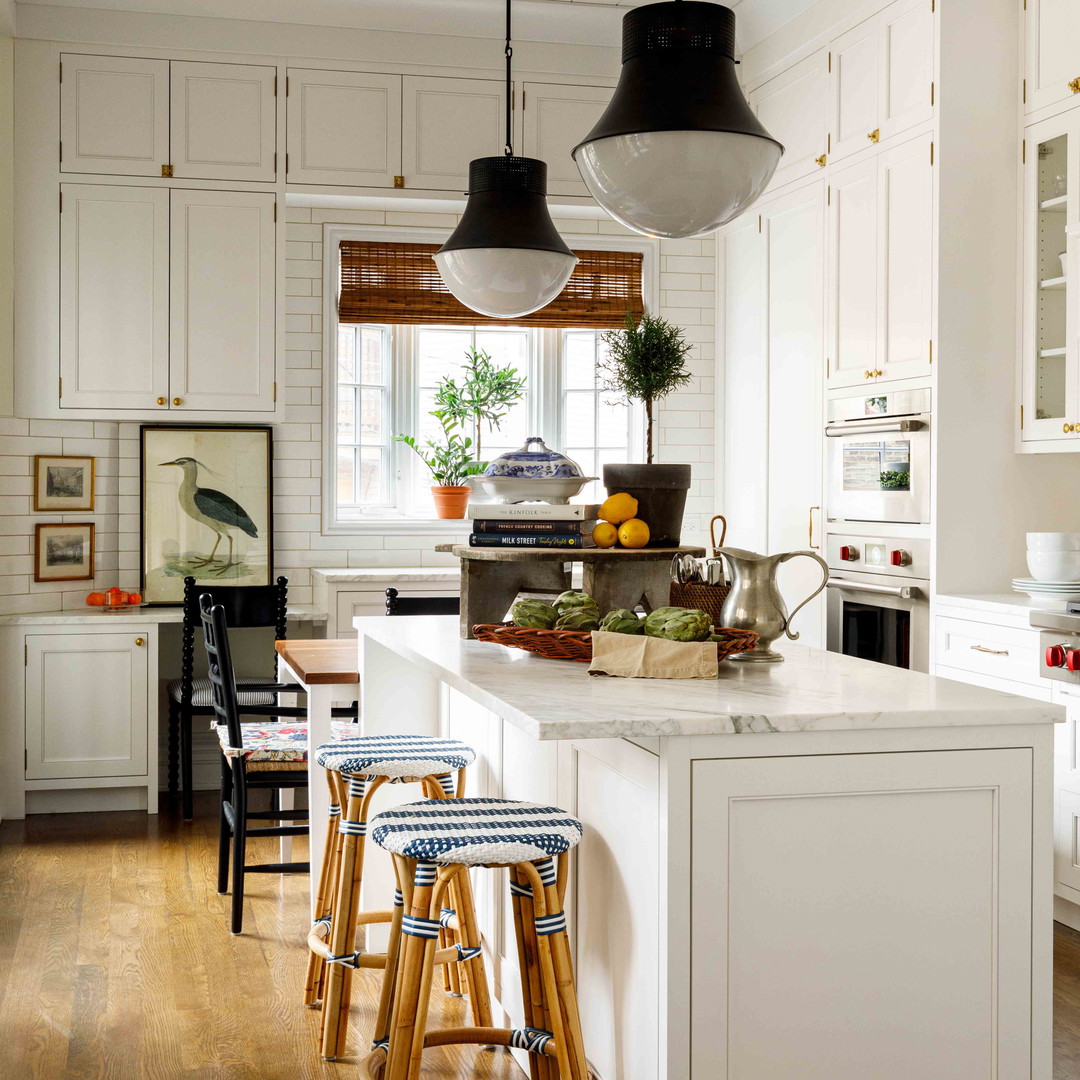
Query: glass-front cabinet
[{"x": 1051, "y": 364}]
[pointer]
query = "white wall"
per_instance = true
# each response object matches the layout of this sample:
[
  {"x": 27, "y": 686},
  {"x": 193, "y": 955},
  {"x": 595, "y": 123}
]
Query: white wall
[{"x": 7, "y": 210}]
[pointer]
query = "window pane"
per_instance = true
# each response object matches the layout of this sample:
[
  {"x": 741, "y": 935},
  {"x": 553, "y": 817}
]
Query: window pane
[
  {"x": 345, "y": 460},
  {"x": 579, "y": 423},
  {"x": 579, "y": 360},
  {"x": 614, "y": 424},
  {"x": 346, "y": 353},
  {"x": 505, "y": 347},
  {"x": 372, "y": 476},
  {"x": 372, "y": 415},
  {"x": 440, "y": 352},
  {"x": 346, "y": 415},
  {"x": 373, "y": 348}
]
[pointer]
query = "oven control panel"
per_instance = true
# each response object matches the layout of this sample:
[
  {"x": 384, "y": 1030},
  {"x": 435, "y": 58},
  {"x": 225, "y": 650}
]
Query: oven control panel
[
  {"x": 906, "y": 557},
  {"x": 1060, "y": 655}
]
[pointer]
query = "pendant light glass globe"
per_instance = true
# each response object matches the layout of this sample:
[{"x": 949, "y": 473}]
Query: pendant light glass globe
[
  {"x": 678, "y": 151},
  {"x": 506, "y": 258}
]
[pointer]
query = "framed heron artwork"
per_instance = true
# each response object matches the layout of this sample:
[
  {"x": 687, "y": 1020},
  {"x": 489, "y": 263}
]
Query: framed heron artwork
[{"x": 207, "y": 508}]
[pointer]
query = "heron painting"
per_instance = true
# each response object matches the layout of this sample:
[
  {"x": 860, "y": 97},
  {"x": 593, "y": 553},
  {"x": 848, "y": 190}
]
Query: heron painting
[{"x": 206, "y": 507}]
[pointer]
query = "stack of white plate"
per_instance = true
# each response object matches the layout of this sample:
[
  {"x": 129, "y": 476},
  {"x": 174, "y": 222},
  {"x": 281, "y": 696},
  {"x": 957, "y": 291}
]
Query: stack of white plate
[{"x": 1054, "y": 562}]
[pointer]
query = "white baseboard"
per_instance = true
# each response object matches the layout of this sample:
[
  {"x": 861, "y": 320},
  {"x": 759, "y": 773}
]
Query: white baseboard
[
  {"x": 92, "y": 800},
  {"x": 1065, "y": 911}
]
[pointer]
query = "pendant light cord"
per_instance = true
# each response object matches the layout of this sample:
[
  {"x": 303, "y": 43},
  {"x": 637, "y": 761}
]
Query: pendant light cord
[{"x": 508, "y": 52}]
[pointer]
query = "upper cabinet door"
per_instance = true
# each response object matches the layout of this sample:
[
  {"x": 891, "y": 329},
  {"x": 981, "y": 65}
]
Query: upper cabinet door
[
  {"x": 554, "y": 120},
  {"x": 344, "y": 128},
  {"x": 445, "y": 124},
  {"x": 907, "y": 66},
  {"x": 1053, "y": 59},
  {"x": 114, "y": 115},
  {"x": 855, "y": 60},
  {"x": 114, "y": 297},
  {"x": 224, "y": 121},
  {"x": 852, "y": 348},
  {"x": 223, "y": 320},
  {"x": 906, "y": 228},
  {"x": 793, "y": 106}
]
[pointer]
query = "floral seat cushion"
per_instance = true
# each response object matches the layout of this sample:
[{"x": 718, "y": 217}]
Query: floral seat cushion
[{"x": 277, "y": 742}]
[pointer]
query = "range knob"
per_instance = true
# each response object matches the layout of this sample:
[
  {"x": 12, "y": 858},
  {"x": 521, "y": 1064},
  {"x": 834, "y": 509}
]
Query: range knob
[
  {"x": 849, "y": 553},
  {"x": 899, "y": 557},
  {"x": 1055, "y": 656},
  {"x": 1072, "y": 659}
]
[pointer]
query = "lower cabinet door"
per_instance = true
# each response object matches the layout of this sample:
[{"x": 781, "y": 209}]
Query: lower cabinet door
[
  {"x": 862, "y": 916},
  {"x": 86, "y": 705},
  {"x": 1067, "y": 838}
]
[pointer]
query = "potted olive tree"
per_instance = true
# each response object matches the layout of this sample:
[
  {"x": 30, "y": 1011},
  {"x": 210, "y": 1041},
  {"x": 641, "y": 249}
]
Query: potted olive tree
[
  {"x": 645, "y": 362},
  {"x": 450, "y": 463}
]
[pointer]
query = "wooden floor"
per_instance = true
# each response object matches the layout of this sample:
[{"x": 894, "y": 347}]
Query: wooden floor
[{"x": 116, "y": 961}]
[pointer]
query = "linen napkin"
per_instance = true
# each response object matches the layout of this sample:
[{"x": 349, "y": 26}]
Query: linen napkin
[{"x": 634, "y": 656}]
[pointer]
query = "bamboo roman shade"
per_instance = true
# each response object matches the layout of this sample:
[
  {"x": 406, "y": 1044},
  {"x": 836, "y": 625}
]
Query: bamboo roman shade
[{"x": 400, "y": 283}]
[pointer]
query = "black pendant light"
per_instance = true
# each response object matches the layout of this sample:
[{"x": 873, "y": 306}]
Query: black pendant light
[
  {"x": 506, "y": 258},
  {"x": 678, "y": 151}
]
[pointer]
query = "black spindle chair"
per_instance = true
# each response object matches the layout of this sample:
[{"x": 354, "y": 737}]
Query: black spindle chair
[{"x": 421, "y": 605}]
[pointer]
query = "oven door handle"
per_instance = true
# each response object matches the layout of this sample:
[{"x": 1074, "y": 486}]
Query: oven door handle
[
  {"x": 904, "y": 592},
  {"x": 879, "y": 427}
]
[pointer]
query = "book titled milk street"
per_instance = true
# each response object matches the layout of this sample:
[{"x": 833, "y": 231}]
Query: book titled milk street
[{"x": 537, "y": 540}]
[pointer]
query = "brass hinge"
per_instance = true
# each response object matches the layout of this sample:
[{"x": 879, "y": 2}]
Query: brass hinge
[
  {"x": 1023, "y": 151},
  {"x": 399, "y": 181},
  {"x": 61, "y": 202},
  {"x": 931, "y": 93},
  {"x": 828, "y": 195},
  {"x": 275, "y": 209},
  {"x": 933, "y": 6},
  {"x": 931, "y": 151},
  {"x": 61, "y": 70},
  {"x": 286, "y": 163},
  {"x": 1021, "y": 417},
  {"x": 828, "y": 142},
  {"x": 275, "y": 86},
  {"x": 931, "y": 350},
  {"x": 61, "y": 151},
  {"x": 25, "y": 660},
  {"x": 166, "y": 171},
  {"x": 759, "y": 223},
  {"x": 25, "y": 759},
  {"x": 1024, "y": 92},
  {"x": 830, "y": 61},
  {"x": 275, "y": 162},
  {"x": 61, "y": 385},
  {"x": 275, "y": 393},
  {"x": 286, "y": 85}
]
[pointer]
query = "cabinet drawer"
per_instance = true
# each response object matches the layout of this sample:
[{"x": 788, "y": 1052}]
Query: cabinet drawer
[{"x": 984, "y": 649}]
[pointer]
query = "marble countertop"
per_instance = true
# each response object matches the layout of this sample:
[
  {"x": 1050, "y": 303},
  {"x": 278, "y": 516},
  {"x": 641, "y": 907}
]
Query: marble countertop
[
  {"x": 390, "y": 573},
  {"x": 1010, "y": 603},
  {"x": 812, "y": 690},
  {"x": 143, "y": 615}
]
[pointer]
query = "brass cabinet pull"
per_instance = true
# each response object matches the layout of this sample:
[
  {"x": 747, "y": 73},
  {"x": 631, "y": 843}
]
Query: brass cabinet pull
[
  {"x": 879, "y": 373},
  {"x": 178, "y": 401},
  {"x": 140, "y": 641},
  {"x": 162, "y": 401},
  {"x": 1074, "y": 85},
  {"x": 399, "y": 181},
  {"x": 820, "y": 161},
  {"x": 811, "y": 539},
  {"x": 875, "y": 135},
  {"x": 1067, "y": 428},
  {"x": 867, "y": 374},
  {"x": 992, "y": 652},
  {"x": 875, "y": 374}
]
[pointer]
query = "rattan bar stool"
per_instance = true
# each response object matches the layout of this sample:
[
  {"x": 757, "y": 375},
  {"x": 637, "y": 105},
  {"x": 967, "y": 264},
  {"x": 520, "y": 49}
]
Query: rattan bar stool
[
  {"x": 355, "y": 770},
  {"x": 434, "y": 844}
]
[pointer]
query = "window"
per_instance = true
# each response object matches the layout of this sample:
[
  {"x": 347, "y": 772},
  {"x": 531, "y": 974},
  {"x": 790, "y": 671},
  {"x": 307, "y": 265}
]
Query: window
[{"x": 385, "y": 384}]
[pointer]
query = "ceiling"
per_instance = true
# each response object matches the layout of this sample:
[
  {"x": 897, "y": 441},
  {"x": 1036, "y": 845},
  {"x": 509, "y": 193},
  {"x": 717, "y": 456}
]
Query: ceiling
[{"x": 590, "y": 22}]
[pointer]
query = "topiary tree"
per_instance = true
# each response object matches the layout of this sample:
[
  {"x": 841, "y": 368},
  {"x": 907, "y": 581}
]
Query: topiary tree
[{"x": 645, "y": 362}]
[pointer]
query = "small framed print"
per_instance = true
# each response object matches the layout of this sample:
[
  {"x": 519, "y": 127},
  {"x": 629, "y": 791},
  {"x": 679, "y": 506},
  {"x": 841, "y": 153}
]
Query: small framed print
[
  {"x": 63, "y": 483},
  {"x": 63, "y": 552}
]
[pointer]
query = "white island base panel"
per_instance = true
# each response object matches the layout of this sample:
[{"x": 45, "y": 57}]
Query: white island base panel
[{"x": 820, "y": 870}]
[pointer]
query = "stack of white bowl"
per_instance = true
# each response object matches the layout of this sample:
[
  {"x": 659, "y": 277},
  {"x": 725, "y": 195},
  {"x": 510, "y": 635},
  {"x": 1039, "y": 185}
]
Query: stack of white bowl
[{"x": 1054, "y": 561}]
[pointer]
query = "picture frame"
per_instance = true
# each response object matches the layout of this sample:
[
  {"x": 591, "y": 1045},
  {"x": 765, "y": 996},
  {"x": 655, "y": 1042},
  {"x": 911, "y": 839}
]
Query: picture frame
[
  {"x": 64, "y": 551},
  {"x": 206, "y": 507},
  {"x": 63, "y": 483}
]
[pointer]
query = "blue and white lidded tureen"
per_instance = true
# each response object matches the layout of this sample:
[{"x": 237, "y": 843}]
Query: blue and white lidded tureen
[{"x": 540, "y": 475}]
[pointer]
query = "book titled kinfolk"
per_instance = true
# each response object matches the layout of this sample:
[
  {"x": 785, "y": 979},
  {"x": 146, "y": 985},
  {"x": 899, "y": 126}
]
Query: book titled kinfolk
[
  {"x": 536, "y": 540},
  {"x": 532, "y": 528},
  {"x": 534, "y": 512}
]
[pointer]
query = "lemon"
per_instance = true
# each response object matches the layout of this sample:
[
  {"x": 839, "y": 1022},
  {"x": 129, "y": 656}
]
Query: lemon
[
  {"x": 633, "y": 533},
  {"x": 605, "y": 534},
  {"x": 618, "y": 508}
]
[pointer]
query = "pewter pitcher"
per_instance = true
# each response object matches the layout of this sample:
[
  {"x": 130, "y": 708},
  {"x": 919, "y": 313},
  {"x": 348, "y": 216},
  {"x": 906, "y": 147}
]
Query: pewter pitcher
[{"x": 755, "y": 603}]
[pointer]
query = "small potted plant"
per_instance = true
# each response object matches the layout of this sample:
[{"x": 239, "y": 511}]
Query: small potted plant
[
  {"x": 450, "y": 463},
  {"x": 645, "y": 362}
]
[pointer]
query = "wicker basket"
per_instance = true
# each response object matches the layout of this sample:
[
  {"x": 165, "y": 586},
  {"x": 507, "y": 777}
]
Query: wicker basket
[
  {"x": 577, "y": 644},
  {"x": 707, "y": 598}
]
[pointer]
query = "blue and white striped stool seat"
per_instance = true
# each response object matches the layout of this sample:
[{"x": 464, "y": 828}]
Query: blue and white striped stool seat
[
  {"x": 475, "y": 832},
  {"x": 394, "y": 756}
]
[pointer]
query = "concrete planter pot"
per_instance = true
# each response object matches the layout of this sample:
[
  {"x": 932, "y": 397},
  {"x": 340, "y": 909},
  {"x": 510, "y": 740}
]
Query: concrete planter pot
[
  {"x": 450, "y": 502},
  {"x": 661, "y": 494}
]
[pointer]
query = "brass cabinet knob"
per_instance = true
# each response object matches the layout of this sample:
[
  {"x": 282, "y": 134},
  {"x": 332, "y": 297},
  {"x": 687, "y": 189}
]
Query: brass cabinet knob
[
  {"x": 867, "y": 374},
  {"x": 1067, "y": 428},
  {"x": 820, "y": 161},
  {"x": 1074, "y": 85},
  {"x": 140, "y": 641},
  {"x": 162, "y": 401},
  {"x": 879, "y": 373},
  {"x": 875, "y": 135},
  {"x": 178, "y": 401}
]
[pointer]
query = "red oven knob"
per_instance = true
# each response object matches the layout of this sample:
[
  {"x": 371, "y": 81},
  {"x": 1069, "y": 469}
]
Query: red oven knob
[
  {"x": 1055, "y": 655},
  {"x": 848, "y": 553},
  {"x": 1072, "y": 659},
  {"x": 899, "y": 557}
]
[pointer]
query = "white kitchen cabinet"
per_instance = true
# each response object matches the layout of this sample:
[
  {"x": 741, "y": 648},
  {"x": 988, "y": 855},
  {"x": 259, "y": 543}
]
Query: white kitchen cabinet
[
  {"x": 86, "y": 705},
  {"x": 343, "y": 128},
  {"x": 446, "y": 122},
  {"x": 114, "y": 115},
  {"x": 793, "y": 234},
  {"x": 224, "y": 121},
  {"x": 555, "y": 118},
  {"x": 793, "y": 106},
  {"x": 942, "y": 843},
  {"x": 1067, "y": 794},
  {"x": 881, "y": 266},
  {"x": 114, "y": 297},
  {"x": 1051, "y": 352},
  {"x": 853, "y": 93},
  {"x": 223, "y": 321},
  {"x": 1052, "y": 34}
]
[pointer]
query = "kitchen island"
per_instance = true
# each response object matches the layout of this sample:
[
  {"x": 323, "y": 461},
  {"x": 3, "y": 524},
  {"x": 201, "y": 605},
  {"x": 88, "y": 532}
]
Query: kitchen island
[{"x": 825, "y": 868}]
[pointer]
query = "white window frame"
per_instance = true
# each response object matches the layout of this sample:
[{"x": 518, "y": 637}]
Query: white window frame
[{"x": 544, "y": 399}]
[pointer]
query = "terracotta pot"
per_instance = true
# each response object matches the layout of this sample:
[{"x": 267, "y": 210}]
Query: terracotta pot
[{"x": 450, "y": 502}]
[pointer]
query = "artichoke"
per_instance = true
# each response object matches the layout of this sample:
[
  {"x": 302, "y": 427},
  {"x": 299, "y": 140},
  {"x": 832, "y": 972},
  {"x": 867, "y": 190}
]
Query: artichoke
[
  {"x": 579, "y": 619},
  {"x": 622, "y": 621},
  {"x": 534, "y": 614},
  {"x": 679, "y": 624},
  {"x": 570, "y": 600}
]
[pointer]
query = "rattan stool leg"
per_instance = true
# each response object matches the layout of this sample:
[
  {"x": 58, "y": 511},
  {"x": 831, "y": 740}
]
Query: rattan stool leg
[
  {"x": 532, "y": 991},
  {"x": 324, "y": 896},
  {"x": 469, "y": 938}
]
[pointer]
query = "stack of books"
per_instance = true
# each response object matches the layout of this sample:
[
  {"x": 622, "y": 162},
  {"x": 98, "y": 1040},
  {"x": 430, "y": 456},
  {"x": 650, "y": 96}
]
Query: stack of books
[{"x": 537, "y": 525}]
